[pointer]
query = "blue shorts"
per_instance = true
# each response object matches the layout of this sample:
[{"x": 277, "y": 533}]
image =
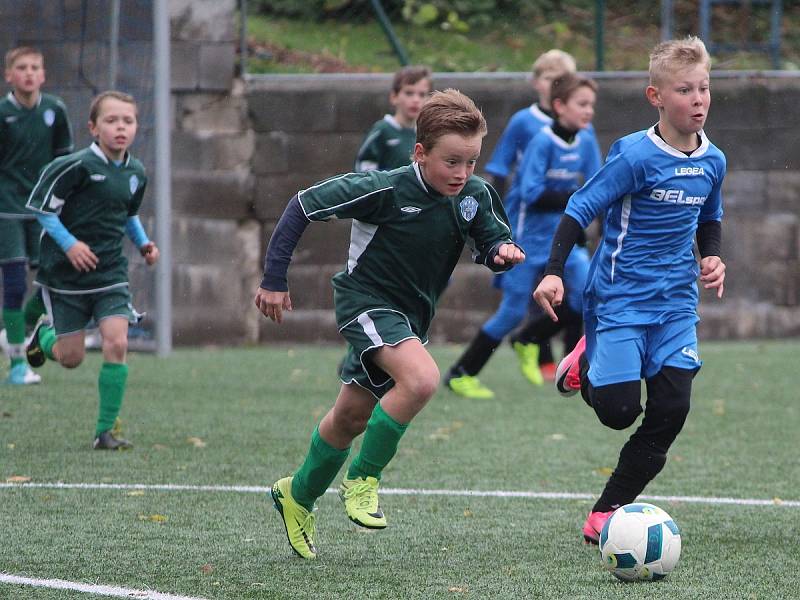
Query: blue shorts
[{"x": 628, "y": 353}]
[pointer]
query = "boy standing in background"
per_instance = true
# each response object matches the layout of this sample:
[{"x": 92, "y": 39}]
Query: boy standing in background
[
  {"x": 390, "y": 142},
  {"x": 34, "y": 129}
]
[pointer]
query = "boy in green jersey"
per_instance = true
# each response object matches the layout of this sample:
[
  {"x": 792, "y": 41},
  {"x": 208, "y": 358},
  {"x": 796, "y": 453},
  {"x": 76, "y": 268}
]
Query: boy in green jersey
[
  {"x": 409, "y": 227},
  {"x": 390, "y": 142},
  {"x": 86, "y": 202},
  {"x": 34, "y": 129}
]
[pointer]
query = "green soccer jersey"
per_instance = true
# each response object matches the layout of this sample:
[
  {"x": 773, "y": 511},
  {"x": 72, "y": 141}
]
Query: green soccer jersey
[
  {"x": 93, "y": 198},
  {"x": 388, "y": 145},
  {"x": 29, "y": 139},
  {"x": 406, "y": 238}
]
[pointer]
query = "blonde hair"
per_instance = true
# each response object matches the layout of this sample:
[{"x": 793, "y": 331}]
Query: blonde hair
[
  {"x": 554, "y": 60},
  {"x": 97, "y": 101},
  {"x": 672, "y": 56},
  {"x": 446, "y": 112},
  {"x": 13, "y": 54}
]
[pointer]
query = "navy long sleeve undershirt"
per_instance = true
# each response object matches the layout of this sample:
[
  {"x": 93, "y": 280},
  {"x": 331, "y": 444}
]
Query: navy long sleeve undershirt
[{"x": 284, "y": 239}]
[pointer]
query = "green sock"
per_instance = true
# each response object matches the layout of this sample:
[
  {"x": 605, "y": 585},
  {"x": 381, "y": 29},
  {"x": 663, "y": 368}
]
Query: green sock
[
  {"x": 33, "y": 309},
  {"x": 111, "y": 384},
  {"x": 47, "y": 339},
  {"x": 318, "y": 470},
  {"x": 379, "y": 446},
  {"x": 15, "y": 332}
]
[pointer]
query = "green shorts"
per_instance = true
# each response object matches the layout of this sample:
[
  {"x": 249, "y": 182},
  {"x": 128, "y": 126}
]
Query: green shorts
[
  {"x": 70, "y": 313},
  {"x": 19, "y": 240},
  {"x": 365, "y": 334}
]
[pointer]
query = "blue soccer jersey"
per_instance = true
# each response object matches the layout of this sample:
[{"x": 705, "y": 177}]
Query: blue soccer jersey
[
  {"x": 549, "y": 164},
  {"x": 654, "y": 197},
  {"x": 523, "y": 125}
]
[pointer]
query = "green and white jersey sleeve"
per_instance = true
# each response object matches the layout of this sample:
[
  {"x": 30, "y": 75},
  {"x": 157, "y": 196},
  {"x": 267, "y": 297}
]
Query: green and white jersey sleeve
[
  {"x": 93, "y": 198},
  {"x": 388, "y": 145},
  {"x": 29, "y": 139},
  {"x": 405, "y": 239}
]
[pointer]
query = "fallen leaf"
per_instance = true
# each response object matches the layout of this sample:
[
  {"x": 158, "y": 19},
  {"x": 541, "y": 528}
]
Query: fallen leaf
[
  {"x": 606, "y": 471},
  {"x": 6, "y": 415},
  {"x": 11, "y": 446},
  {"x": 153, "y": 518},
  {"x": 467, "y": 512},
  {"x": 196, "y": 442},
  {"x": 206, "y": 569},
  {"x": 558, "y": 436},
  {"x": 777, "y": 501},
  {"x": 719, "y": 407},
  {"x": 18, "y": 479},
  {"x": 457, "y": 588},
  {"x": 135, "y": 493}
]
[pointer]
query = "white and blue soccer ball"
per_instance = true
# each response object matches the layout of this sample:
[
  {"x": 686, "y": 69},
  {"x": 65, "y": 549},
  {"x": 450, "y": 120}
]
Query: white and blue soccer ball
[{"x": 640, "y": 542}]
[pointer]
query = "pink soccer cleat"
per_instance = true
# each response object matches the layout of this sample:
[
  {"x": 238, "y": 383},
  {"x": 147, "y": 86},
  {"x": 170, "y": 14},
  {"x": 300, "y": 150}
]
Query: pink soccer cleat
[
  {"x": 568, "y": 379},
  {"x": 594, "y": 525}
]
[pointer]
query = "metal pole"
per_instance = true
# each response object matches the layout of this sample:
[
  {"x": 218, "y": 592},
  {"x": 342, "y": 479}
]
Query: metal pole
[
  {"x": 113, "y": 43},
  {"x": 599, "y": 28},
  {"x": 386, "y": 25},
  {"x": 242, "y": 38},
  {"x": 667, "y": 16},
  {"x": 163, "y": 172}
]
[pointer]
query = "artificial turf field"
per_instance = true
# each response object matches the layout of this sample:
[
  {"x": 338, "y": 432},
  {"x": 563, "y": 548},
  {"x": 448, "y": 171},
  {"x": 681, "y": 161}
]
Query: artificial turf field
[{"x": 507, "y": 484}]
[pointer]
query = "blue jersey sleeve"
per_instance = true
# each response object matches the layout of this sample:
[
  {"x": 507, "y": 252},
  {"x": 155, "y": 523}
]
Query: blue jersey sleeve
[
  {"x": 614, "y": 180},
  {"x": 532, "y": 170},
  {"x": 511, "y": 142},
  {"x": 712, "y": 209}
]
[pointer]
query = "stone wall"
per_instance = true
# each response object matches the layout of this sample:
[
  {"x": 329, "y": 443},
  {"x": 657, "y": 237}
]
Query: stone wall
[{"x": 309, "y": 128}]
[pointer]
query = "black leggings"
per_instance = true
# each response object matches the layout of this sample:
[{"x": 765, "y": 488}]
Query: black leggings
[{"x": 618, "y": 405}]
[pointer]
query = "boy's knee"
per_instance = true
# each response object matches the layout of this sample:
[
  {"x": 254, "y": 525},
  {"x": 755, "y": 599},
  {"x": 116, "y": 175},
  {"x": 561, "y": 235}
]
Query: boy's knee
[
  {"x": 352, "y": 420},
  {"x": 617, "y": 405},
  {"x": 70, "y": 359}
]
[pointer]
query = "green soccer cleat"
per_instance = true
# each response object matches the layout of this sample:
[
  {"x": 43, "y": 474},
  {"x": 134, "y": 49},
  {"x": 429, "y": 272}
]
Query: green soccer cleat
[
  {"x": 469, "y": 387},
  {"x": 528, "y": 355},
  {"x": 298, "y": 521},
  {"x": 360, "y": 497}
]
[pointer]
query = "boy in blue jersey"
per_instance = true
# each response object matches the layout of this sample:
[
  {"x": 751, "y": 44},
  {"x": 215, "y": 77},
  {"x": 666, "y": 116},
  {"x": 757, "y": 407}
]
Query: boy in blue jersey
[
  {"x": 559, "y": 159},
  {"x": 390, "y": 141},
  {"x": 535, "y": 356},
  {"x": 34, "y": 129},
  {"x": 409, "y": 228},
  {"x": 87, "y": 202},
  {"x": 660, "y": 188}
]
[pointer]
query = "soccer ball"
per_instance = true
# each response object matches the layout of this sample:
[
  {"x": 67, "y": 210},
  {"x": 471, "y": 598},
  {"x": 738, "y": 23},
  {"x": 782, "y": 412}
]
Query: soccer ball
[{"x": 640, "y": 542}]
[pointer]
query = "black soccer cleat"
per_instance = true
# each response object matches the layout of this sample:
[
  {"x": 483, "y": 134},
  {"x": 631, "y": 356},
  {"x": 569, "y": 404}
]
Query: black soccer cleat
[
  {"x": 107, "y": 441},
  {"x": 34, "y": 353}
]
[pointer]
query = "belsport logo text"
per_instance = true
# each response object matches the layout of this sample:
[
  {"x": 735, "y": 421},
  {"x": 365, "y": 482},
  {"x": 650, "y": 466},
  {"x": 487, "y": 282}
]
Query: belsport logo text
[{"x": 677, "y": 197}]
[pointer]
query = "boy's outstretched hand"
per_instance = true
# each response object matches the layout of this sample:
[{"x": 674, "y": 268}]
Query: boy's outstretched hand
[
  {"x": 549, "y": 294},
  {"x": 150, "y": 253},
  {"x": 712, "y": 274},
  {"x": 509, "y": 254},
  {"x": 272, "y": 304}
]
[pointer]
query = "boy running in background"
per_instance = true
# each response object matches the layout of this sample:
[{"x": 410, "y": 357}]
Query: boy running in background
[
  {"x": 559, "y": 159},
  {"x": 34, "y": 129},
  {"x": 87, "y": 202},
  {"x": 409, "y": 227},
  {"x": 660, "y": 188},
  {"x": 390, "y": 142},
  {"x": 536, "y": 359}
]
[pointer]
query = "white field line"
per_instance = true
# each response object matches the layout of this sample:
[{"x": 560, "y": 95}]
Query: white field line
[
  {"x": 405, "y": 492},
  {"x": 88, "y": 588}
]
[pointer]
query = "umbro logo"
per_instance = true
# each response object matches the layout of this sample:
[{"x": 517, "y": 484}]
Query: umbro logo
[
  {"x": 393, "y": 142},
  {"x": 411, "y": 210},
  {"x": 97, "y": 177},
  {"x": 11, "y": 119}
]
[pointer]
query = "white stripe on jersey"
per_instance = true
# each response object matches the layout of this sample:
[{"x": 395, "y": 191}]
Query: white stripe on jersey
[
  {"x": 624, "y": 219},
  {"x": 361, "y": 235},
  {"x": 494, "y": 214},
  {"x": 46, "y": 200},
  {"x": 368, "y": 325}
]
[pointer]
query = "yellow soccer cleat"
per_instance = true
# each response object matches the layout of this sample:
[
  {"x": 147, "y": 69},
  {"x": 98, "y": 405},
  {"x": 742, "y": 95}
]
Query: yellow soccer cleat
[
  {"x": 528, "y": 355},
  {"x": 360, "y": 497},
  {"x": 298, "y": 521},
  {"x": 469, "y": 387}
]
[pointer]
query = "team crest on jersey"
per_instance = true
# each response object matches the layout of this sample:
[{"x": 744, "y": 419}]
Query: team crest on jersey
[
  {"x": 134, "y": 183},
  {"x": 49, "y": 117},
  {"x": 469, "y": 208}
]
